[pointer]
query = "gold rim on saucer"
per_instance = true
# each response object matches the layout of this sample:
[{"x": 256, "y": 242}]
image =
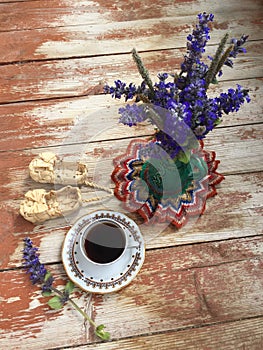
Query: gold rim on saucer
[{"x": 103, "y": 277}]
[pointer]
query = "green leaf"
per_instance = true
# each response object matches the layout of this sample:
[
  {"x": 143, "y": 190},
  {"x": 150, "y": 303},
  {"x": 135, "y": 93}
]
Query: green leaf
[
  {"x": 100, "y": 327},
  {"x": 55, "y": 303},
  {"x": 218, "y": 121},
  {"x": 47, "y": 276},
  {"x": 99, "y": 331},
  {"x": 46, "y": 294},
  {"x": 69, "y": 287},
  {"x": 214, "y": 81},
  {"x": 184, "y": 157}
]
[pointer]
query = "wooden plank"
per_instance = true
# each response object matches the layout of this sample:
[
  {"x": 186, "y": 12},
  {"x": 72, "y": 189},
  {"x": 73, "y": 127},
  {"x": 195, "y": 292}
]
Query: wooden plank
[
  {"x": 235, "y": 212},
  {"x": 200, "y": 287},
  {"x": 224, "y": 140},
  {"x": 26, "y": 320},
  {"x": 236, "y": 156},
  {"x": 86, "y": 76},
  {"x": 11, "y": 1},
  {"x": 48, "y": 123},
  {"x": 165, "y": 296},
  {"x": 245, "y": 334},
  {"x": 163, "y": 299},
  {"x": 118, "y": 37},
  {"x": 38, "y": 14}
]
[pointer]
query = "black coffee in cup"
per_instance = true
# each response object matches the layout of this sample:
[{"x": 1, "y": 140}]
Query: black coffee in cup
[{"x": 104, "y": 242}]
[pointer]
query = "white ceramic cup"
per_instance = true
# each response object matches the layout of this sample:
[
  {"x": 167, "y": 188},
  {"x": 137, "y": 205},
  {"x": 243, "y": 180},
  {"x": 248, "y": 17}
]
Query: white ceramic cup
[{"x": 103, "y": 242}]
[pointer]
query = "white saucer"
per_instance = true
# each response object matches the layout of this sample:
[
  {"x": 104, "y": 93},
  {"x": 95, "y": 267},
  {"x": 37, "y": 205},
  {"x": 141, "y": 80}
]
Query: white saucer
[{"x": 103, "y": 278}]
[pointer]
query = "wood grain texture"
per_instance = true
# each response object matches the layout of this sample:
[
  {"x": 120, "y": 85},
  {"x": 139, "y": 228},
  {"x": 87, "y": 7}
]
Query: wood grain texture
[
  {"x": 246, "y": 334},
  {"x": 201, "y": 286},
  {"x": 16, "y": 16},
  {"x": 236, "y": 156},
  {"x": 86, "y": 76},
  {"x": 192, "y": 297},
  {"x": 53, "y": 123},
  {"x": 11, "y": 1},
  {"x": 234, "y": 213},
  {"x": 118, "y": 37},
  {"x": 26, "y": 320}
]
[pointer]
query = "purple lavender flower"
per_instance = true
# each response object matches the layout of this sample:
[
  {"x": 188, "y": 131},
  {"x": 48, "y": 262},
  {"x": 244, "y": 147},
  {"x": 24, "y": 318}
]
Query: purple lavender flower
[
  {"x": 183, "y": 102},
  {"x": 116, "y": 91},
  {"x": 196, "y": 47},
  {"x": 39, "y": 274},
  {"x": 132, "y": 114},
  {"x": 33, "y": 266},
  {"x": 168, "y": 144},
  {"x": 165, "y": 93},
  {"x": 233, "y": 99},
  {"x": 121, "y": 89},
  {"x": 163, "y": 76},
  {"x": 237, "y": 49},
  {"x": 175, "y": 125}
]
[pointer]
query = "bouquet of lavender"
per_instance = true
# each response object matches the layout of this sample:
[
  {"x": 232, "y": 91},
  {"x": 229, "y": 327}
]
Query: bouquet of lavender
[
  {"x": 183, "y": 96},
  {"x": 169, "y": 178}
]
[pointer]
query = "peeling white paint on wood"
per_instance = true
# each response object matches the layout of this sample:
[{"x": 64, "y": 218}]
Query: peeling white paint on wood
[
  {"x": 12, "y": 299},
  {"x": 204, "y": 287}
]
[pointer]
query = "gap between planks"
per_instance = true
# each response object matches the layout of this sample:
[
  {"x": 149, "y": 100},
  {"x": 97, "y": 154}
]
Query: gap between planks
[
  {"x": 50, "y": 124},
  {"x": 232, "y": 335},
  {"x": 72, "y": 13},
  {"x": 233, "y": 214},
  {"x": 161, "y": 297},
  {"x": 78, "y": 77},
  {"x": 116, "y": 37}
]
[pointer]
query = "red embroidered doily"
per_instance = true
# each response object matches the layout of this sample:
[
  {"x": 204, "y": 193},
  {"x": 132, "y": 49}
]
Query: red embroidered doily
[{"x": 175, "y": 208}]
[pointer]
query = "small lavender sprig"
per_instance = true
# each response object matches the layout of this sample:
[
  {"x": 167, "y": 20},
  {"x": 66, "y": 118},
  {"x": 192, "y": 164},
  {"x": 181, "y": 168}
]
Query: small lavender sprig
[
  {"x": 40, "y": 275},
  {"x": 196, "y": 43},
  {"x": 233, "y": 99},
  {"x": 237, "y": 48}
]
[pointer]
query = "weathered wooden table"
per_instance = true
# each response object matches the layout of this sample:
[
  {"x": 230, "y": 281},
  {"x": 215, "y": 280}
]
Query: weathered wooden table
[{"x": 199, "y": 288}]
